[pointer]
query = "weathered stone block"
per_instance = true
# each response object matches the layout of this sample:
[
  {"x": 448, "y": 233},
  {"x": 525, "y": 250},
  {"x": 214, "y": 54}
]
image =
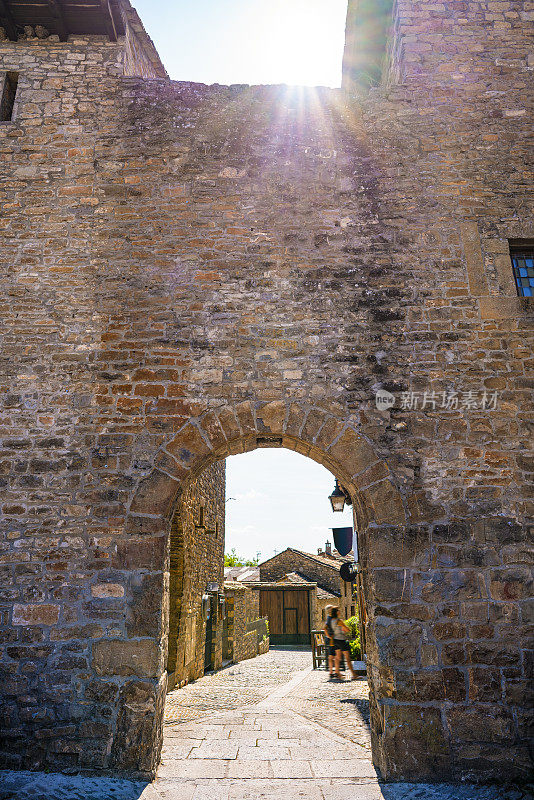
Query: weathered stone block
[
  {"x": 356, "y": 455},
  {"x": 390, "y": 585},
  {"x": 137, "y": 740},
  {"x": 105, "y": 590},
  {"x": 480, "y": 723},
  {"x": 36, "y": 614},
  {"x": 497, "y": 653},
  {"x": 145, "y": 612},
  {"x": 156, "y": 495},
  {"x": 512, "y": 583},
  {"x": 271, "y": 418},
  {"x": 126, "y": 657},
  {"x": 414, "y": 743},
  {"x": 484, "y": 684},
  {"x": 188, "y": 446},
  {"x": 398, "y": 643},
  {"x": 398, "y": 547},
  {"x": 437, "y": 586},
  {"x": 134, "y": 553}
]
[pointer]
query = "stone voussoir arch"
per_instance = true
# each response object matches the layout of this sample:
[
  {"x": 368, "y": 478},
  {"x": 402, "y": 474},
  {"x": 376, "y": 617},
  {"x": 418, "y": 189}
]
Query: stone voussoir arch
[{"x": 339, "y": 444}]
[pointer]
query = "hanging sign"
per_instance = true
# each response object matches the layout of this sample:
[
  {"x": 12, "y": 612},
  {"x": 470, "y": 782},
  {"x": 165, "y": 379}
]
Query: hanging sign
[{"x": 342, "y": 540}]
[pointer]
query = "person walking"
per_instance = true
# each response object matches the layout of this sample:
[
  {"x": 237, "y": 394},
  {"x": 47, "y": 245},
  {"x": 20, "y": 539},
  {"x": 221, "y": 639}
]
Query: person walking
[
  {"x": 341, "y": 632},
  {"x": 329, "y": 641}
]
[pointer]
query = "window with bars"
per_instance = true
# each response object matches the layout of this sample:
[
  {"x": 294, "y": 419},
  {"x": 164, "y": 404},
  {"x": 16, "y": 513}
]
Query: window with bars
[{"x": 522, "y": 255}]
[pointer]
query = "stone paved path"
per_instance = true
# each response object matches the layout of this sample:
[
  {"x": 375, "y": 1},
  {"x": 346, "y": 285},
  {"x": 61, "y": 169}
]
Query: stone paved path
[
  {"x": 237, "y": 685},
  {"x": 267, "y": 729}
]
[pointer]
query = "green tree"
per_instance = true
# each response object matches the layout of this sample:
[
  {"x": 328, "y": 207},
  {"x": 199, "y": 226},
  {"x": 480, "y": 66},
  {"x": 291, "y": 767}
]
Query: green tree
[{"x": 231, "y": 559}]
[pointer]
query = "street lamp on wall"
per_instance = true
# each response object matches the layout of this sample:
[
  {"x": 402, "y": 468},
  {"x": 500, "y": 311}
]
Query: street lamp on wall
[{"x": 337, "y": 498}]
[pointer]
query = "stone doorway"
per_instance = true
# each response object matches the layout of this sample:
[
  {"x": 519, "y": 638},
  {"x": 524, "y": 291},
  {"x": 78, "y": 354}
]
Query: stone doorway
[{"x": 337, "y": 444}]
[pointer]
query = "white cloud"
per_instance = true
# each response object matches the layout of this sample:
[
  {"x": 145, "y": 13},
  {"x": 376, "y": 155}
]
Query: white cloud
[{"x": 252, "y": 494}]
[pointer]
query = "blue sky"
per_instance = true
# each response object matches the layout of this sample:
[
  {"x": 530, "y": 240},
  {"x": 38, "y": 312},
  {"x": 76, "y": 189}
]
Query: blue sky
[
  {"x": 248, "y": 41},
  {"x": 281, "y": 500}
]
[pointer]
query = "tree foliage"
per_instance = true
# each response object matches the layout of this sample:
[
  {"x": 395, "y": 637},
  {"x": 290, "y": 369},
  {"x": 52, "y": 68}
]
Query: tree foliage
[
  {"x": 232, "y": 559},
  {"x": 354, "y": 638}
]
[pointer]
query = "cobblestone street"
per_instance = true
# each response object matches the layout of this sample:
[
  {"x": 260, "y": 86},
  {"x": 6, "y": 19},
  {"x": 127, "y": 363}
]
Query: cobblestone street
[
  {"x": 237, "y": 685},
  {"x": 266, "y": 728}
]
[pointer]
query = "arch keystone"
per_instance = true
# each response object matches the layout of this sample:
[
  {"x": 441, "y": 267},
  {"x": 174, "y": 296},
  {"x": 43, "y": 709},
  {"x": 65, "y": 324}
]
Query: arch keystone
[{"x": 271, "y": 418}]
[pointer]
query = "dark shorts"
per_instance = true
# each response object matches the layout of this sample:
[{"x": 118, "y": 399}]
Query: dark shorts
[
  {"x": 341, "y": 644},
  {"x": 331, "y": 650}
]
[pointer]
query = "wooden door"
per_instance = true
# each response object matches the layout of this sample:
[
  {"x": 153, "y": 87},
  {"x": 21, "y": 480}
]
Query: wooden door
[
  {"x": 299, "y": 600},
  {"x": 291, "y": 621},
  {"x": 271, "y": 606}
]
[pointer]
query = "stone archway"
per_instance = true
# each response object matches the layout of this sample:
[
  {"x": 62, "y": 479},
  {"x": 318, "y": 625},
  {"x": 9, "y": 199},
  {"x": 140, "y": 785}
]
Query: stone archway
[{"x": 139, "y": 662}]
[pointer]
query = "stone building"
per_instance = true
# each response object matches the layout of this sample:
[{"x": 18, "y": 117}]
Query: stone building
[
  {"x": 323, "y": 569},
  {"x": 190, "y": 272},
  {"x": 196, "y": 576}
]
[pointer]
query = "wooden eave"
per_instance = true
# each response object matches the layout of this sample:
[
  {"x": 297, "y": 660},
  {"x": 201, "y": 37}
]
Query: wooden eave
[{"x": 63, "y": 17}]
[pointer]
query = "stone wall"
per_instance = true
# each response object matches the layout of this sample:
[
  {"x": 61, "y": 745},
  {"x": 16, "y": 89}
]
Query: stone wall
[
  {"x": 140, "y": 56},
  {"x": 189, "y": 272},
  {"x": 468, "y": 45},
  {"x": 196, "y": 561},
  {"x": 248, "y": 632}
]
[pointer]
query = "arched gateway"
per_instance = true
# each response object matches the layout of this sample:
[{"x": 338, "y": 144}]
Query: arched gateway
[
  {"x": 336, "y": 443},
  {"x": 191, "y": 271}
]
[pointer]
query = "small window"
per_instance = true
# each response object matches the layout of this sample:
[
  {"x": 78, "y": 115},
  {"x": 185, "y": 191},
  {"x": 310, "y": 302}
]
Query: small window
[
  {"x": 9, "y": 93},
  {"x": 522, "y": 254}
]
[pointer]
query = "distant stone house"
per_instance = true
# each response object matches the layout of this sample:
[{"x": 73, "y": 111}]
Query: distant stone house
[
  {"x": 323, "y": 599},
  {"x": 293, "y": 604},
  {"x": 322, "y": 569},
  {"x": 290, "y": 607}
]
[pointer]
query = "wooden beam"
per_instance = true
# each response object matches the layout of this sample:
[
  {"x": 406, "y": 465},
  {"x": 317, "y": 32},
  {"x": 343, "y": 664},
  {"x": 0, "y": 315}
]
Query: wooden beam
[
  {"x": 56, "y": 11},
  {"x": 117, "y": 17},
  {"x": 7, "y": 22},
  {"x": 108, "y": 20}
]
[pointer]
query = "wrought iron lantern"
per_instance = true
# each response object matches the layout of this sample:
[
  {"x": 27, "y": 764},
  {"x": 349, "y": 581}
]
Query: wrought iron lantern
[{"x": 337, "y": 498}]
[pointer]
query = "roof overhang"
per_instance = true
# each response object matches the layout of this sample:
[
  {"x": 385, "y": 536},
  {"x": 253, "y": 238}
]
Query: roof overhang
[{"x": 63, "y": 17}]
